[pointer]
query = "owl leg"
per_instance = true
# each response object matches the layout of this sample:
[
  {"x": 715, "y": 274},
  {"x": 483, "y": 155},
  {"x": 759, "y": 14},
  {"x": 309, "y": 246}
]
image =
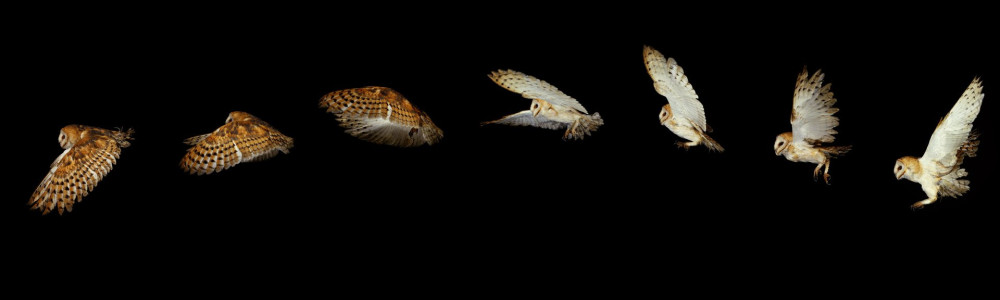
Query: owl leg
[
  {"x": 683, "y": 145},
  {"x": 920, "y": 204},
  {"x": 826, "y": 173},
  {"x": 816, "y": 172},
  {"x": 569, "y": 131},
  {"x": 931, "y": 191}
]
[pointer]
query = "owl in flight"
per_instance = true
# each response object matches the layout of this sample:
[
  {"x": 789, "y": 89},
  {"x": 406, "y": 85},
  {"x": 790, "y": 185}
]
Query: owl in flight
[
  {"x": 550, "y": 108},
  {"x": 938, "y": 170},
  {"x": 244, "y": 138},
  {"x": 683, "y": 115},
  {"x": 812, "y": 125},
  {"x": 381, "y": 115},
  {"x": 90, "y": 154}
]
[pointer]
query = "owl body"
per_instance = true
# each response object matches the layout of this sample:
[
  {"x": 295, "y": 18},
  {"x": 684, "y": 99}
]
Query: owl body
[
  {"x": 684, "y": 115},
  {"x": 939, "y": 171},
  {"x": 90, "y": 153},
  {"x": 549, "y": 109},
  {"x": 381, "y": 115},
  {"x": 244, "y": 138},
  {"x": 813, "y": 126}
]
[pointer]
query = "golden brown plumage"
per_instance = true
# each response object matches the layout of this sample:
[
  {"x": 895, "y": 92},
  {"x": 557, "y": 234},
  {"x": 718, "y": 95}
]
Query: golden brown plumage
[
  {"x": 244, "y": 138},
  {"x": 382, "y": 116},
  {"x": 90, "y": 154}
]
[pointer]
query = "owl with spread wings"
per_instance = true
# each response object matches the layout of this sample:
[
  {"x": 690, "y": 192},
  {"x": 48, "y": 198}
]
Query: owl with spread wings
[
  {"x": 812, "y": 125},
  {"x": 939, "y": 170},
  {"x": 550, "y": 108},
  {"x": 684, "y": 115}
]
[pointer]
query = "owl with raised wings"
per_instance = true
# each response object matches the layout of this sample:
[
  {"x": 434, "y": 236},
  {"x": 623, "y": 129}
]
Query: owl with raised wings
[
  {"x": 90, "y": 154},
  {"x": 550, "y": 108},
  {"x": 244, "y": 138},
  {"x": 683, "y": 114},
  {"x": 939, "y": 170},
  {"x": 812, "y": 125},
  {"x": 381, "y": 115}
]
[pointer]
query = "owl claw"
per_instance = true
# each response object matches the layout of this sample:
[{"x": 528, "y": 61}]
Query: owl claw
[
  {"x": 917, "y": 206},
  {"x": 682, "y": 145},
  {"x": 826, "y": 178}
]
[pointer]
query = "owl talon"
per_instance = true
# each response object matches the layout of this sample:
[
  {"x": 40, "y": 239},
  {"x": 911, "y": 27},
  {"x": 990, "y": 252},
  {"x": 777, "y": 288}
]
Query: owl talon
[
  {"x": 917, "y": 206},
  {"x": 826, "y": 178},
  {"x": 682, "y": 145}
]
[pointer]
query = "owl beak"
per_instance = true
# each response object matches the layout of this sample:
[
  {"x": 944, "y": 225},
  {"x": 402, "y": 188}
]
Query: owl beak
[
  {"x": 899, "y": 175},
  {"x": 535, "y": 113}
]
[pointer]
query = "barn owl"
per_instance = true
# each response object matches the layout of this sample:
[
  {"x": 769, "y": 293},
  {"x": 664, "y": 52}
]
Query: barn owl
[
  {"x": 381, "y": 115},
  {"x": 244, "y": 138},
  {"x": 938, "y": 170},
  {"x": 90, "y": 154},
  {"x": 550, "y": 108},
  {"x": 683, "y": 115},
  {"x": 812, "y": 124}
]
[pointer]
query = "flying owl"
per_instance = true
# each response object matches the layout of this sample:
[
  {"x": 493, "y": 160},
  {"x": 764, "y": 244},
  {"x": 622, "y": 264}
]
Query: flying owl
[
  {"x": 683, "y": 115},
  {"x": 938, "y": 170},
  {"x": 381, "y": 115},
  {"x": 550, "y": 108},
  {"x": 812, "y": 125},
  {"x": 244, "y": 138},
  {"x": 90, "y": 154}
]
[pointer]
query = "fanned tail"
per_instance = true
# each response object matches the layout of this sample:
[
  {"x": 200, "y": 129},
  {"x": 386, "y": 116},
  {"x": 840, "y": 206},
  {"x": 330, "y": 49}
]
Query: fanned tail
[
  {"x": 835, "y": 151},
  {"x": 586, "y": 125},
  {"x": 952, "y": 186},
  {"x": 711, "y": 143}
]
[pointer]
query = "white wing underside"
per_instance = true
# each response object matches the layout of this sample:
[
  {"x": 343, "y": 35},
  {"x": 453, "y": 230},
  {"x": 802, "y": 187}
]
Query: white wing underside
[
  {"x": 533, "y": 88},
  {"x": 812, "y": 110},
  {"x": 954, "y": 129},
  {"x": 382, "y": 131},
  {"x": 669, "y": 80},
  {"x": 524, "y": 118}
]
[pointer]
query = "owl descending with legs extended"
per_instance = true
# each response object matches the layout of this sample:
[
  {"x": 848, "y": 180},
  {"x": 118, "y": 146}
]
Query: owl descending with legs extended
[
  {"x": 683, "y": 114},
  {"x": 812, "y": 124},
  {"x": 244, "y": 138},
  {"x": 90, "y": 154},
  {"x": 939, "y": 169},
  {"x": 381, "y": 115},
  {"x": 550, "y": 108}
]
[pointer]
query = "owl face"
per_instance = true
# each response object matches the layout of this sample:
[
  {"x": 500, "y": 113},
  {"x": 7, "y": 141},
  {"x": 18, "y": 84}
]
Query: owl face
[
  {"x": 538, "y": 105},
  {"x": 905, "y": 167},
  {"x": 69, "y": 135},
  {"x": 665, "y": 114},
  {"x": 781, "y": 143}
]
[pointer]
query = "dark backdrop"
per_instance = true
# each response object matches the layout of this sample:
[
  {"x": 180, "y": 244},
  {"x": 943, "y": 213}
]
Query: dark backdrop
[{"x": 627, "y": 187}]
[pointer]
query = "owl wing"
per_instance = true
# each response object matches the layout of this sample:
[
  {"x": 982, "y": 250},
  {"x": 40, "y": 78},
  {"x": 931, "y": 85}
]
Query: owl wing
[
  {"x": 231, "y": 144},
  {"x": 953, "y": 130},
  {"x": 533, "y": 88},
  {"x": 381, "y": 115},
  {"x": 812, "y": 109},
  {"x": 669, "y": 80},
  {"x": 76, "y": 172},
  {"x": 524, "y": 118}
]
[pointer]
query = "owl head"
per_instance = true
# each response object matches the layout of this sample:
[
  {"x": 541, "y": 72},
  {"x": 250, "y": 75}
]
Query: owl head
[
  {"x": 70, "y": 134},
  {"x": 539, "y": 105},
  {"x": 239, "y": 116},
  {"x": 665, "y": 114},
  {"x": 781, "y": 143},
  {"x": 905, "y": 167}
]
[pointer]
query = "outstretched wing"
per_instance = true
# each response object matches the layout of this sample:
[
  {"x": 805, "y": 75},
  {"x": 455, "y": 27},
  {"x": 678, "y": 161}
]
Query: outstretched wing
[
  {"x": 231, "y": 144},
  {"x": 381, "y": 115},
  {"x": 524, "y": 118},
  {"x": 669, "y": 80},
  {"x": 812, "y": 109},
  {"x": 954, "y": 129},
  {"x": 75, "y": 173},
  {"x": 533, "y": 88}
]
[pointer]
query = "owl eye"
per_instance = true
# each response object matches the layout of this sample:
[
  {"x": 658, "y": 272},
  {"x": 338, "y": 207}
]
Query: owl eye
[{"x": 535, "y": 106}]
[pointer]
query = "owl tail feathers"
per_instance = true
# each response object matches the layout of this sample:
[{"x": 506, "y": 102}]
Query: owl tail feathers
[
  {"x": 583, "y": 126},
  {"x": 952, "y": 186},
  {"x": 835, "y": 151},
  {"x": 711, "y": 143},
  {"x": 123, "y": 137}
]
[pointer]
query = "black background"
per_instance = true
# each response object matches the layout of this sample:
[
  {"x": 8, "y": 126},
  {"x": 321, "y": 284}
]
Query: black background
[{"x": 516, "y": 191}]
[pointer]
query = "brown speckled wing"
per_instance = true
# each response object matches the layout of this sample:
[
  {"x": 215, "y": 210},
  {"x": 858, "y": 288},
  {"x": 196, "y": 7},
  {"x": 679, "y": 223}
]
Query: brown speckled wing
[
  {"x": 234, "y": 143},
  {"x": 76, "y": 172},
  {"x": 381, "y": 115}
]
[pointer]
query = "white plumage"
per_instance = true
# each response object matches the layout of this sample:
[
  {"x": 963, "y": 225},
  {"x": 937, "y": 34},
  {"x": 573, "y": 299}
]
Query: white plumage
[
  {"x": 684, "y": 115},
  {"x": 812, "y": 125},
  {"x": 550, "y": 108},
  {"x": 939, "y": 170}
]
